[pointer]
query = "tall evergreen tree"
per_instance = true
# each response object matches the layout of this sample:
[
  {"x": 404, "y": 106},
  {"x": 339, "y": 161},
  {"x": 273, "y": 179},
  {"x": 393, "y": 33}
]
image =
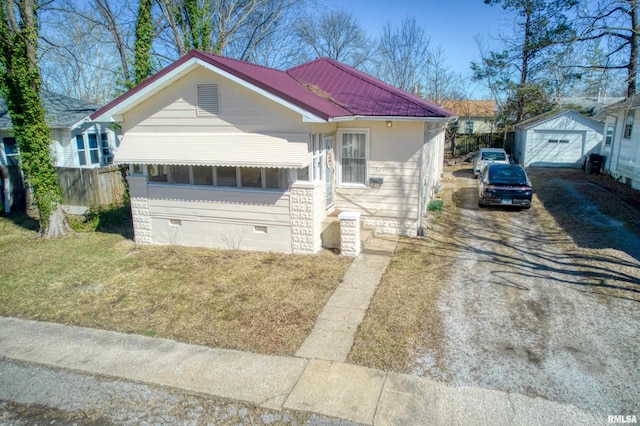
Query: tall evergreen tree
[{"x": 540, "y": 26}]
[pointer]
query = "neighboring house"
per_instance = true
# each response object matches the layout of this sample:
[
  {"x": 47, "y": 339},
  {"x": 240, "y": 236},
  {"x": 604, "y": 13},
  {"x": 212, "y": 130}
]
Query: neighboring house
[
  {"x": 474, "y": 116},
  {"x": 556, "y": 139},
  {"x": 75, "y": 142},
  {"x": 621, "y": 146},
  {"x": 592, "y": 106},
  {"x": 228, "y": 154}
]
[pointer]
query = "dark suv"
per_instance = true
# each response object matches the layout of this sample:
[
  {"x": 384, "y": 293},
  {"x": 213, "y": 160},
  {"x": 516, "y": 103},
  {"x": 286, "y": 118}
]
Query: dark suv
[{"x": 504, "y": 185}]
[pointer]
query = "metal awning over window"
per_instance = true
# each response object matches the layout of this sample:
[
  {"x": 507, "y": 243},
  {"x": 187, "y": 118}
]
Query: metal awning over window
[{"x": 217, "y": 149}]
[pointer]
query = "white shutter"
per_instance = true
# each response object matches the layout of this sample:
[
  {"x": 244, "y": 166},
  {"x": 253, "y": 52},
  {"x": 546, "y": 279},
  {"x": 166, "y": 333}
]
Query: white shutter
[{"x": 208, "y": 100}]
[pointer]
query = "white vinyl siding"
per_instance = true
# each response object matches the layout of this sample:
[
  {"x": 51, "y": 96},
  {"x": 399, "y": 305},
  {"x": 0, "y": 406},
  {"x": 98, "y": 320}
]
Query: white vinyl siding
[
  {"x": 175, "y": 110},
  {"x": 623, "y": 155},
  {"x": 394, "y": 156},
  {"x": 219, "y": 218}
]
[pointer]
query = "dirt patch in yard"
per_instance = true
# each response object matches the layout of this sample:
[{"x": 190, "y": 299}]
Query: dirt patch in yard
[{"x": 542, "y": 302}]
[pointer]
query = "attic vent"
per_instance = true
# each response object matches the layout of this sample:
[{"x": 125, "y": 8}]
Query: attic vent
[{"x": 208, "y": 100}]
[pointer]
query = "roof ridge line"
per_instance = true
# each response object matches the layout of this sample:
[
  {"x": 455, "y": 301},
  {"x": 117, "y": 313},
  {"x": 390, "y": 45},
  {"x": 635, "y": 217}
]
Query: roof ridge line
[
  {"x": 71, "y": 97},
  {"x": 239, "y": 61}
]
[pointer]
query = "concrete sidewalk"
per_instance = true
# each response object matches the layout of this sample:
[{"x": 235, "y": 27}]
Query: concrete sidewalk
[{"x": 328, "y": 388}]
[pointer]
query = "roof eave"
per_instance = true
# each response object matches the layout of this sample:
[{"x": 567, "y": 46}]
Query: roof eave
[{"x": 391, "y": 118}]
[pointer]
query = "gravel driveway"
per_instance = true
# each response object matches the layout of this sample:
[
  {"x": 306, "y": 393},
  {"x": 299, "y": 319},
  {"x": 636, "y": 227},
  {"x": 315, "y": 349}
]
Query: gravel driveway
[{"x": 539, "y": 307}]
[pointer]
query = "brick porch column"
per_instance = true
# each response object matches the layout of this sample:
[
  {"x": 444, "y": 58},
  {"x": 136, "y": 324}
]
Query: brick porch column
[
  {"x": 307, "y": 212},
  {"x": 349, "y": 233},
  {"x": 140, "y": 209}
]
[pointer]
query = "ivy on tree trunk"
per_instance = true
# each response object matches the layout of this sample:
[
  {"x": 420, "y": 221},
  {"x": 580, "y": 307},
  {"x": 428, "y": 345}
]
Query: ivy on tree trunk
[
  {"x": 144, "y": 38},
  {"x": 20, "y": 83}
]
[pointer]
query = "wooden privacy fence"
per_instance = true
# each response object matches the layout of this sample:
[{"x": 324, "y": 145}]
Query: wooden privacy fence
[
  {"x": 84, "y": 187},
  {"x": 465, "y": 144}
]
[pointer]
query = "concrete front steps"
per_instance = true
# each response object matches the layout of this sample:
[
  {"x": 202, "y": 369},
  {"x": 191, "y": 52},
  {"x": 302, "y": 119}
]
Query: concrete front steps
[
  {"x": 377, "y": 244},
  {"x": 369, "y": 242}
]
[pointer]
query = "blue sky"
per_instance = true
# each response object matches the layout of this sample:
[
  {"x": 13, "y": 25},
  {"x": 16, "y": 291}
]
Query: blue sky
[{"x": 452, "y": 24}]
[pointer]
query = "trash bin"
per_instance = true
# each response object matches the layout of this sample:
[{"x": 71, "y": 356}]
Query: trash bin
[{"x": 593, "y": 164}]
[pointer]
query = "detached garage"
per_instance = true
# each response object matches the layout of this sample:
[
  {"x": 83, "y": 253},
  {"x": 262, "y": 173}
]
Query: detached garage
[{"x": 556, "y": 139}]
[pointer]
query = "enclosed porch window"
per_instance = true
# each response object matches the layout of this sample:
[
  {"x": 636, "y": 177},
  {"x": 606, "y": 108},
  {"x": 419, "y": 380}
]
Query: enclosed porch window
[{"x": 221, "y": 176}]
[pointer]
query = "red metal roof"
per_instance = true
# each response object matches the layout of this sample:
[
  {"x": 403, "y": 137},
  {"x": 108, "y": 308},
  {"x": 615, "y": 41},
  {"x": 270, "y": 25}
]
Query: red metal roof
[
  {"x": 361, "y": 93},
  {"x": 324, "y": 87}
]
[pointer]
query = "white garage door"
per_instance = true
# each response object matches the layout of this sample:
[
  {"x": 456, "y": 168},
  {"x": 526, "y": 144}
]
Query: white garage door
[{"x": 555, "y": 149}]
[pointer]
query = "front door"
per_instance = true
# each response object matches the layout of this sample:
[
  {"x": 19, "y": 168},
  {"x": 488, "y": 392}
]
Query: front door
[{"x": 329, "y": 166}]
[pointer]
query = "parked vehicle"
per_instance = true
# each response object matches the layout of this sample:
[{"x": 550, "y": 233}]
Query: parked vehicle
[
  {"x": 504, "y": 185},
  {"x": 489, "y": 156}
]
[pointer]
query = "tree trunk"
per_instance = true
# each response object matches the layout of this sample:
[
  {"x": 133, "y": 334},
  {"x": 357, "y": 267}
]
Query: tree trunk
[
  {"x": 524, "y": 67},
  {"x": 58, "y": 224},
  {"x": 633, "y": 58},
  {"x": 20, "y": 83},
  {"x": 107, "y": 14}
]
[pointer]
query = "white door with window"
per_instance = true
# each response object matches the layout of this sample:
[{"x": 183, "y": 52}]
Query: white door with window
[{"x": 329, "y": 167}]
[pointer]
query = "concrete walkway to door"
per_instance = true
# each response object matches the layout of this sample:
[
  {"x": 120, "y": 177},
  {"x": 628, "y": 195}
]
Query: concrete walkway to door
[{"x": 332, "y": 337}]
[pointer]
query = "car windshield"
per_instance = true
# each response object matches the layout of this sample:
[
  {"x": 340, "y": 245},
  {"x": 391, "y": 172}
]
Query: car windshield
[
  {"x": 507, "y": 175},
  {"x": 493, "y": 156}
]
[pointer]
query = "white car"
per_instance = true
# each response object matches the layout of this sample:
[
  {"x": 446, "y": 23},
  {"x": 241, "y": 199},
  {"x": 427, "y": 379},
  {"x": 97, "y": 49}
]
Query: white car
[{"x": 489, "y": 156}]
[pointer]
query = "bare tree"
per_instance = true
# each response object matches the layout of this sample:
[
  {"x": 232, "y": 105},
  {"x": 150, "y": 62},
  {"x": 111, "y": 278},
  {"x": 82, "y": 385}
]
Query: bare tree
[
  {"x": 109, "y": 17},
  {"x": 74, "y": 59},
  {"x": 218, "y": 25},
  {"x": 111, "y": 20},
  {"x": 615, "y": 24},
  {"x": 403, "y": 55},
  {"x": 440, "y": 81},
  {"x": 279, "y": 47},
  {"x": 335, "y": 34}
]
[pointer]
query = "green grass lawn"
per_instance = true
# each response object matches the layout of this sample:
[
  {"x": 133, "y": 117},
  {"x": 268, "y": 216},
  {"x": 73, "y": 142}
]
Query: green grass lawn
[{"x": 260, "y": 302}]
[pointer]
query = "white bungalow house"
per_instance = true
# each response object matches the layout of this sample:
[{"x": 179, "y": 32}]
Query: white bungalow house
[
  {"x": 556, "y": 139},
  {"x": 75, "y": 141},
  {"x": 228, "y": 154},
  {"x": 621, "y": 146},
  {"x": 474, "y": 116}
]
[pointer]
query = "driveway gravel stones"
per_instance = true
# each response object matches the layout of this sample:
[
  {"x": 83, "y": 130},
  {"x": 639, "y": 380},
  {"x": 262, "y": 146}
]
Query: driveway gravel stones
[{"x": 528, "y": 310}]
